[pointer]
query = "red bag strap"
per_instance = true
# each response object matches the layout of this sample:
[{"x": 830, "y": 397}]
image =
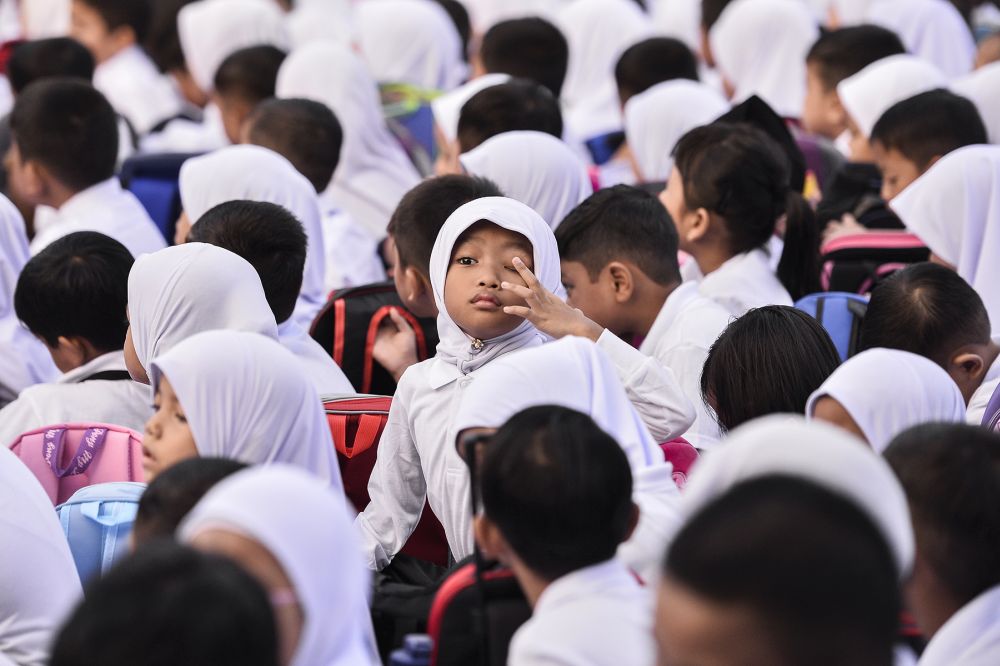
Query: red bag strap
[
  {"x": 339, "y": 308},
  {"x": 373, "y": 324}
]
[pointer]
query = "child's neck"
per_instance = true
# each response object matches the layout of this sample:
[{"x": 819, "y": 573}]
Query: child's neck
[
  {"x": 710, "y": 257},
  {"x": 648, "y": 308}
]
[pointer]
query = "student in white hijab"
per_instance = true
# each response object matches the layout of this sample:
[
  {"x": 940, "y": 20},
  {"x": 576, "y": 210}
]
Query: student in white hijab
[
  {"x": 38, "y": 578},
  {"x": 374, "y": 172},
  {"x": 680, "y": 19},
  {"x": 321, "y": 20},
  {"x": 535, "y": 168},
  {"x": 983, "y": 88},
  {"x": 257, "y": 174},
  {"x": 299, "y": 528},
  {"x": 881, "y": 392},
  {"x": 955, "y": 209},
  {"x": 930, "y": 29}
]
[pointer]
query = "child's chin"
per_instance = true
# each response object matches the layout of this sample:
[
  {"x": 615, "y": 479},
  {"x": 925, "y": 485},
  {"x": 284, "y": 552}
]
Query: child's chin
[{"x": 489, "y": 325}]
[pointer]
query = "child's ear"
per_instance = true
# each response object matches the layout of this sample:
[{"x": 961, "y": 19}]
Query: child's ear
[
  {"x": 622, "y": 281},
  {"x": 697, "y": 227},
  {"x": 633, "y": 522},
  {"x": 969, "y": 364},
  {"x": 490, "y": 540}
]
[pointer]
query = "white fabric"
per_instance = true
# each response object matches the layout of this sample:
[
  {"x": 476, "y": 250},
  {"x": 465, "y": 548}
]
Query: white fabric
[
  {"x": 186, "y": 136},
  {"x": 258, "y": 174},
  {"x": 109, "y": 209},
  {"x": 931, "y": 29},
  {"x": 314, "y": 364},
  {"x": 680, "y": 19},
  {"x": 374, "y": 172},
  {"x": 816, "y": 452},
  {"x": 38, "y": 580},
  {"x": 970, "y": 637},
  {"x": 743, "y": 282},
  {"x": 852, "y": 12},
  {"x": 484, "y": 14},
  {"x": 448, "y": 107},
  {"x": 976, "y": 409},
  {"x": 351, "y": 253},
  {"x": 955, "y": 209},
  {"x": 869, "y": 93},
  {"x": 304, "y": 525},
  {"x": 410, "y": 41},
  {"x": 656, "y": 119},
  {"x": 887, "y": 391},
  {"x": 137, "y": 90},
  {"x": 186, "y": 289},
  {"x": 760, "y": 47},
  {"x": 536, "y": 169},
  {"x": 983, "y": 88},
  {"x": 322, "y": 20},
  {"x": 45, "y": 18}
]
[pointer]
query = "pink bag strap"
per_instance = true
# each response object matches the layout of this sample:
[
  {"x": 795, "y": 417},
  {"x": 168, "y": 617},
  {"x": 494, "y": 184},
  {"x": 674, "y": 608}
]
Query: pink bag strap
[{"x": 52, "y": 447}]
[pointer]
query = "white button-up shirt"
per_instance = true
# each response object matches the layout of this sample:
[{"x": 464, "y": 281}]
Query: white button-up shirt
[
  {"x": 743, "y": 282},
  {"x": 970, "y": 637}
]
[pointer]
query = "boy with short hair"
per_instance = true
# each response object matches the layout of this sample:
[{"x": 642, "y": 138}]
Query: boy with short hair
[
  {"x": 530, "y": 48},
  {"x": 653, "y": 61},
  {"x": 243, "y": 80}
]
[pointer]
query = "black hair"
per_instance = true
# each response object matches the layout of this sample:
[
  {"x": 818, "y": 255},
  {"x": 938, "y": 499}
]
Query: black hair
[
  {"x": 305, "y": 132},
  {"x": 739, "y": 173},
  {"x": 47, "y": 58},
  {"x": 810, "y": 565},
  {"x": 69, "y": 128},
  {"x": 838, "y": 54},
  {"x": 951, "y": 475},
  {"x": 269, "y": 237},
  {"x": 163, "y": 42},
  {"x": 250, "y": 74},
  {"x": 423, "y": 211},
  {"x": 925, "y": 309},
  {"x": 174, "y": 492},
  {"x": 929, "y": 125},
  {"x": 134, "y": 14},
  {"x": 653, "y": 61},
  {"x": 518, "y": 104},
  {"x": 171, "y": 604},
  {"x": 558, "y": 488},
  {"x": 621, "y": 223},
  {"x": 77, "y": 287},
  {"x": 459, "y": 15},
  {"x": 530, "y": 48},
  {"x": 711, "y": 10},
  {"x": 769, "y": 361}
]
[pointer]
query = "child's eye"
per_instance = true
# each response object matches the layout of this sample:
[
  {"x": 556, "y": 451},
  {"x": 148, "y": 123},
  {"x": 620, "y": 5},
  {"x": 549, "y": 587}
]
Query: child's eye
[
  {"x": 465, "y": 261},
  {"x": 180, "y": 417}
]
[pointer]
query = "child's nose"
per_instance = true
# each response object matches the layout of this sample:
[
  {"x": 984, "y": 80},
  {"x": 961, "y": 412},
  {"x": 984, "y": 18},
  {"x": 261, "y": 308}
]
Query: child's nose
[{"x": 152, "y": 428}]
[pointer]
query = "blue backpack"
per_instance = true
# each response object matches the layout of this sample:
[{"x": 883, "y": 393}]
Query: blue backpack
[{"x": 840, "y": 313}]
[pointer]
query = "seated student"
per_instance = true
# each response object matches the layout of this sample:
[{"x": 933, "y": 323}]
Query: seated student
[
  {"x": 951, "y": 475},
  {"x": 72, "y": 296},
  {"x": 53, "y": 163},
  {"x": 652, "y": 61},
  {"x": 557, "y": 503},
  {"x": 243, "y": 80},
  {"x": 879, "y": 393},
  {"x": 308, "y": 135},
  {"x": 163, "y": 44},
  {"x": 154, "y": 607},
  {"x": 293, "y": 534}
]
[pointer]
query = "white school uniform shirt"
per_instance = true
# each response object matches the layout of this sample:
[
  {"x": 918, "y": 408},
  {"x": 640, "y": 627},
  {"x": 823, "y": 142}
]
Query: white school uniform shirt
[
  {"x": 137, "y": 90},
  {"x": 314, "y": 364},
  {"x": 595, "y": 616},
  {"x": 983, "y": 88},
  {"x": 931, "y": 29},
  {"x": 108, "y": 208},
  {"x": 351, "y": 253},
  {"x": 970, "y": 637},
  {"x": 981, "y": 398},
  {"x": 743, "y": 282}
]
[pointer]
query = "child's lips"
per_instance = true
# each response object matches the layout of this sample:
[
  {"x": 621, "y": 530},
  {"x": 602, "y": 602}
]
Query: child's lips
[{"x": 486, "y": 302}]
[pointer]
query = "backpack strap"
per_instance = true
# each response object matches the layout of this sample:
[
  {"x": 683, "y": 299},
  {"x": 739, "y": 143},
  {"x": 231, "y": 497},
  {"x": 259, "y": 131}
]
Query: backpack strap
[{"x": 108, "y": 375}]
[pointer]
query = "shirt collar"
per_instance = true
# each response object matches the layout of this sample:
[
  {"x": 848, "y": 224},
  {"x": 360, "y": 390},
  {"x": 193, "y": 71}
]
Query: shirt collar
[
  {"x": 672, "y": 307},
  {"x": 85, "y": 200},
  {"x": 111, "y": 361}
]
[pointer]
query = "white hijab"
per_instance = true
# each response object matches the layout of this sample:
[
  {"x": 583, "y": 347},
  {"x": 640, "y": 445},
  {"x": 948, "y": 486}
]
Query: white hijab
[
  {"x": 245, "y": 399},
  {"x": 305, "y": 526},
  {"x": 190, "y": 288},
  {"x": 869, "y": 93},
  {"x": 955, "y": 209},
  {"x": 656, "y": 119},
  {"x": 931, "y": 29},
  {"x": 258, "y": 174},
  {"x": 321, "y": 20},
  {"x": 983, "y": 88},
  {"x": 536, "y": 169},
  {"x": 374, "y": 172},
  {"x": 816, "y": 452},
  {"x": 448, "y": 107},
  {"x": 887, "y": 391},
  {"x": 680, "y": 19},
  {"x": 760, "y": 46}
]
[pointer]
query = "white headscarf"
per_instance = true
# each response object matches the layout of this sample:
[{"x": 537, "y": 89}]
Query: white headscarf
[
  {"x": 955, "y": 209},
  {"x": 760, "y": 46},
  {"x": 245, "y": 399},
  {"x": 321, "y": 20},
  {"x": 487, "y": 13},
  {"x": 448, "y": 107},
  {"x": 212, "y": 30},
  {"x": 374, "y": 172},
  {"x": 535, "y": 168},
  {"x": 680, "y": 19},
  {"x": 258, "y": 174},
  {"x": 869, "y": 93},
  {"x": 305, "y": 526},
  {"x": 983, "y": 88},
  {"x": 816, "y": 452},
  {"x": 657, "y": 118},
  {"x": 38, "y": 579},
  {"x": 190, "y": 288},
  {"x": 887, "y": 391},
  {"x": 931, "y": 29}
]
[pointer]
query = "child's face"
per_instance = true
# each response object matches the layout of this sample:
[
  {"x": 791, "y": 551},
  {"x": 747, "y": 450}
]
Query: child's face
[
  {"x": 168, "y": 438},
  {"x": 897, "y": 171},
  {"x": 88, "y": 27},
  {"x": 235, "y": 111},
  {"x": 26, "y": 184},
  {"x": 411, "y": 287},
  {"x": 860, "y": 148},
  {"x": 823, "y": 114},
  {"x": 482, "y": 259},
  {"x": 595, "y": 298}
]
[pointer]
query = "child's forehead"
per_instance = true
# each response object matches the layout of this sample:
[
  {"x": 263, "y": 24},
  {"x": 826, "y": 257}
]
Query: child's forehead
[{"x": 486, "y": 232}]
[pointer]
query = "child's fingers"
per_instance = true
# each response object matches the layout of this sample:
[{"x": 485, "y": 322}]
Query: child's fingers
[
  {"x": 525, "y": 273},
  {"x": 523, "y": 292},
  {"x": 399, "y": 320},
  {"x": 519, "y": 311}
]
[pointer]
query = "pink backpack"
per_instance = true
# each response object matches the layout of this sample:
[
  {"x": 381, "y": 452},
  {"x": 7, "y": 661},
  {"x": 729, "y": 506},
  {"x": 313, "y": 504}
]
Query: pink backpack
[{"x": 67, "y": 457}]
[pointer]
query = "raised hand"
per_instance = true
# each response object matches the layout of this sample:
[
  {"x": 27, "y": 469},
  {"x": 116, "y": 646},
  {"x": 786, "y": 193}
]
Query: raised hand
[{"x": 550, "y": 314}]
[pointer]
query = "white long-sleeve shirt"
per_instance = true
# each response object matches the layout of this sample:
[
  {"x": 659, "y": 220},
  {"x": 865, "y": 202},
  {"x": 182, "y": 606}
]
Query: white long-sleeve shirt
[
  {"x": 137, "y": 90},
  {"x": 315, "y": 364},
  {"x": 970, "y": 637},
  {"x": 743, "y": 282},
  {"x": 350, "y": 252}
]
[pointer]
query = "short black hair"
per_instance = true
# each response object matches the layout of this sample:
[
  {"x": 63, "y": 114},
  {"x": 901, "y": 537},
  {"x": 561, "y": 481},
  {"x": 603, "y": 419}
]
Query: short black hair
[
  {"x": 269, "y": 237},
  {"x": 559, "y": 489},
  {"x": 621, "y": 223},
  {"x": 459, "y": 15},
  {"x": 163, "y": 42},
  {"x": 518, "y": 104},
  {"x": 925, "y": 309},
  {"x": 174, "y": 492},
  {"x": 809, "y": 564},
  {"x": 711, "y": 10},
  {"x": 653, "y": 61},
  {"x": 47, "y": 58},
  {"x": 77, "y": 287},
  {"x": 423, "y": 211},
  {"x": 171, "y": 604},
  {"x": 951, "y": 475},
  {"x": 68, "y": 127},
  {"x": 838, "y": 54},
  {"x": 529, "y": 48},
  {"x": 769, "y": 361},
  {"x": 250, "y": 74},
  {"x": 134, "y": 14},
  {"x": 303, "y": 131},
  {"x": 929, "y": 125}
]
